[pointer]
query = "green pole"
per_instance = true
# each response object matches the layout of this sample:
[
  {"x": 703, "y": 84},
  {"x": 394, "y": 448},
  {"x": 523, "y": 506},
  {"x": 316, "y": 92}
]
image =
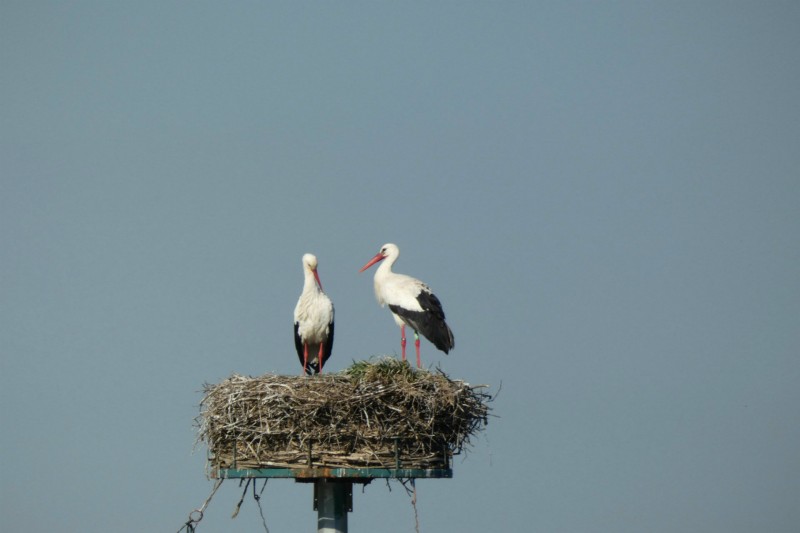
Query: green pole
[{"x": 333, "y": 500}]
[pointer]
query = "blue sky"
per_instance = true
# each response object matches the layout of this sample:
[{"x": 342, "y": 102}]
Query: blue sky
[{"x": 603, "y": 195}]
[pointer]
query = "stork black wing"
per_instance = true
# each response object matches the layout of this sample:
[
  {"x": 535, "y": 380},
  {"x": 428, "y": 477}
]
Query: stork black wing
[{"x": 430, "y": 321}]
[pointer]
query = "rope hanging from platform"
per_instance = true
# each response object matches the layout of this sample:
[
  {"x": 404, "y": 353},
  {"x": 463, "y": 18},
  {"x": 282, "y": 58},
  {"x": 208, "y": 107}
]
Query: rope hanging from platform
[
  {"x": 197, "y": 515},
  {"x": 410, "y": 486},
  {"x": 256, "y": 497},
  {"x": 412, "y": 493}
]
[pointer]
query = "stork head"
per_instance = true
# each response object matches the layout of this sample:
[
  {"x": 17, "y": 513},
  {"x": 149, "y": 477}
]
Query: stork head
[
  {"x": 387, "y": 250},
  {"x": 310, "y": 263}
]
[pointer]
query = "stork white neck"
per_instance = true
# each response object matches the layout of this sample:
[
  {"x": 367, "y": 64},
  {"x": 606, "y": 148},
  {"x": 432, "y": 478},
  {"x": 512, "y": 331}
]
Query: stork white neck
[
  {"x": 389, "y": 252},
  {"x": 311, "y": 278},
  {"x": 387, "y": 282}
]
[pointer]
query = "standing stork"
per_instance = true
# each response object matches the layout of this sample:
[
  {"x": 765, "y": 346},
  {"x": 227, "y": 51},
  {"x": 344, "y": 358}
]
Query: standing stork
[
  {"x": 313, "y": 320},
  {"x": 411, "y": 302}
]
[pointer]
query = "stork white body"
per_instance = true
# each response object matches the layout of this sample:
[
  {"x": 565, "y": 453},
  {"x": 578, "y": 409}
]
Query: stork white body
[
  {"x": 313, "y": 320},
  {"x": 411, "y": 302}
]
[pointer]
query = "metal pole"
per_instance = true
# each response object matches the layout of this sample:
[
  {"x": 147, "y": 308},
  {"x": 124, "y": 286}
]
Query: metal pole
[{"x": 333, "y": 501}]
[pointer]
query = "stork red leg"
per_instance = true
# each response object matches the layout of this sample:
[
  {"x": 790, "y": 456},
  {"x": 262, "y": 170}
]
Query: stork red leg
[
  {"x": 403, "y": 341},
  {"x": 319, "y": 358},
  {"x": 305, "y": 358},
  {"x": 416, "y": 343}
]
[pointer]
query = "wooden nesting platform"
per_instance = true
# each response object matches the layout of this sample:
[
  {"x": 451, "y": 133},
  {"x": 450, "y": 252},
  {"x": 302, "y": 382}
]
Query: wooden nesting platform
[
  {"x": 357, "y": 475},
  {"x": 377, "y": 419}
]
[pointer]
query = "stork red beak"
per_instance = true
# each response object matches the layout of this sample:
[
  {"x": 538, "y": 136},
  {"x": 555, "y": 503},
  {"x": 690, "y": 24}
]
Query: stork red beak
[
  {"x": 316, "y": 276},
  {"x": 378, "y": 257}
]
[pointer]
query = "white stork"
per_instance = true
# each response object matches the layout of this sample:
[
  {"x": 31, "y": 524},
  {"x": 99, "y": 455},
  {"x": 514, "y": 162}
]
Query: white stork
[
  {"x": 411, "y": 302},
  {"x": 313, "y": 320}
]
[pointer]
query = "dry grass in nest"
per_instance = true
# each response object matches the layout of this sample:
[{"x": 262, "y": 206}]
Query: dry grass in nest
[{"x": 374, "y": 414}]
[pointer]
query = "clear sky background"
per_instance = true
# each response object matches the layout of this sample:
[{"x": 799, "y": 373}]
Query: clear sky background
[{"x": 604, "y": 195}]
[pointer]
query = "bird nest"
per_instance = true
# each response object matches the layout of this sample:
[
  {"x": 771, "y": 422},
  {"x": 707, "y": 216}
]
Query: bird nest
[{"x": 375, "y": 414}]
